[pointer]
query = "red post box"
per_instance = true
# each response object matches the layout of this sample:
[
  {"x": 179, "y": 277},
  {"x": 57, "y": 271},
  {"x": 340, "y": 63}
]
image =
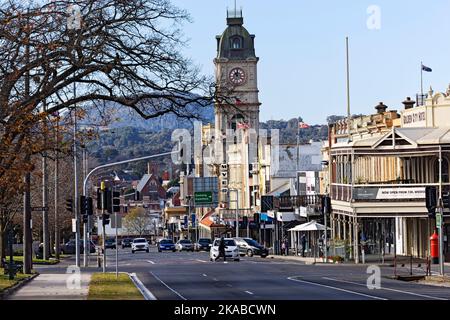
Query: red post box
[{"x": 434, "y": 248}]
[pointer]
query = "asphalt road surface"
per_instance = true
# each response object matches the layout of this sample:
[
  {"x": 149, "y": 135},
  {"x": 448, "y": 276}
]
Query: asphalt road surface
[{"x": 191, "y": 276}]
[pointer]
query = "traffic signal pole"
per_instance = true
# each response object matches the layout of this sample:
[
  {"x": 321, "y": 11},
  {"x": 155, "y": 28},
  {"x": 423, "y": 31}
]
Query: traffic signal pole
[
  {"x": 441, "y": 228},
  {"x": 86, "y": 179}
]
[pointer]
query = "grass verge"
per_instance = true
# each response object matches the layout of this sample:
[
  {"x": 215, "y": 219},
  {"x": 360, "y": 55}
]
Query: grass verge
[
  {"x": 5, "y": 283},
  {"x": 35, "y": 260},
  {"x": 105, "y": 286}
]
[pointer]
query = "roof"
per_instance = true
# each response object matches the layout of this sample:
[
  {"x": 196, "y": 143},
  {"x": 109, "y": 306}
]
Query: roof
[
  {"x": 281, "y": 189},
  {"x": 143, "y": 182},
  {"x": 413, "y": 136},
  {"x": 236, "y": 29}
]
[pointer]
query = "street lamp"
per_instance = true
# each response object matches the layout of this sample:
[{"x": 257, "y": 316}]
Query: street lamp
[{"x": 74, "y": 24}]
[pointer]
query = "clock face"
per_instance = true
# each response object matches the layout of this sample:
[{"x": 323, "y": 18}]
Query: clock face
[{"x": 237, "y": 76}]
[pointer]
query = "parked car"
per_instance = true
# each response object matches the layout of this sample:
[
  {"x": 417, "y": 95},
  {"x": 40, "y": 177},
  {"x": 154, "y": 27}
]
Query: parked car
[
  {"x": 231, "y": 249},
  {"x": 184, "y": 244},
  {"x": 203, "y": 244},
  {"x": 69, "y": 247},
  {"x": 166, "y": 245},
  {"x": 110, "y": 244},
  {"x": 140, "y": 244},
  {"x": 249, "y": 247},
  {"x": 126, "y": 243}
]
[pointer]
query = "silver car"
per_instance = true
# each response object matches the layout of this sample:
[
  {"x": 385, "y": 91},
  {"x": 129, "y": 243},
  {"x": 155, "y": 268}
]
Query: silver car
[{"x": 184, "y": 244}]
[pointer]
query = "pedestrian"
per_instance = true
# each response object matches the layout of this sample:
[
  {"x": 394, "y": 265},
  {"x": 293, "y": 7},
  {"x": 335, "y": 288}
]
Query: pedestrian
[
  {"x": 222, "y": 247},
  {"x": 286, "y": 246},
  {"x": 303, "y": 245},
  {"x": 283, "y": 247}
]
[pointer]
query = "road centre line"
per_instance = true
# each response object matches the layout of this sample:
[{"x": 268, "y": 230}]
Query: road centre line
[
  {"x": 249, "y": 292},
  {"x": 335, "y": 288},
  {"x": 200, "y": 260},
  {"x": 174, "y": 291},
  {"x": 389, "y": 289},
  {"x": 150, "y": 261}
]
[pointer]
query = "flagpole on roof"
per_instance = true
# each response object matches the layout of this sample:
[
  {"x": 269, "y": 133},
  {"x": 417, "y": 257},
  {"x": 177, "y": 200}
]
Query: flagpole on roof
[
  {"x": 348, "y": 87},
  {"x": 421, "y": 79}
]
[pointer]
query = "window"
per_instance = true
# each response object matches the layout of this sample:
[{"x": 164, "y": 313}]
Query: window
[{"x": 236, "y": 43}]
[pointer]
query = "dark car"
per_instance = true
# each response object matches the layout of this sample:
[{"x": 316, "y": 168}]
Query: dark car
[
  {"x": 166, "y": 245},
  {"x": 110, "y": 244},
  {"x": 126, "y": 243},
  {"x": 69, "y": 247},
  {"x": 249, "y": 247},
  {"x": 203, "y": 244}
]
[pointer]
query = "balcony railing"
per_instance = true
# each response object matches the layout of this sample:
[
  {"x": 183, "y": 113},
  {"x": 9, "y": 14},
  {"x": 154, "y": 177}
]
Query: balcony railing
[{"x": 289, "y": 203}]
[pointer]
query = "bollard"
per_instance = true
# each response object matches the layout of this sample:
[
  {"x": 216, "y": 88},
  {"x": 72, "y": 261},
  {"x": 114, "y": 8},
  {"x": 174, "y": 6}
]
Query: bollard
[{"x": 410, "y": 265}]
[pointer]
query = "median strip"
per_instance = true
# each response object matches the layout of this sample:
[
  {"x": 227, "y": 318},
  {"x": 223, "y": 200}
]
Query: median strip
[{"x": 105, "y": 286}]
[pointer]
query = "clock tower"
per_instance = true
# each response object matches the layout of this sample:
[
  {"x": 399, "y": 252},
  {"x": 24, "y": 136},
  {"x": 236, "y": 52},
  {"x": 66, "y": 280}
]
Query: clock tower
[
  {"x": 236, "y": 77},
  {"x": 237, "y": 112}
]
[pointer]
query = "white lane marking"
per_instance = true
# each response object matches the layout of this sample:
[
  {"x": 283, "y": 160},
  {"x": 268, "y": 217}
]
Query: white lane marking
[
  {"x": 249, "y": 292},
  {"x": 215, "y": 279},
  {"x": 204, "y": 275},
  {"x": 335, "y": 288},
  {"x": 229, "y": 285},
  {"x": 150, "y": 261},
  {"x": 389, "y": 289},
  {"x": 200, "y": 260},
  {"x": 167, "y": 286},
  {"x": 143, "y": 289}
]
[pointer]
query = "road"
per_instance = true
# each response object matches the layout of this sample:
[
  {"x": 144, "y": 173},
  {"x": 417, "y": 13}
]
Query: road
[{"x": 191, "y": 276}]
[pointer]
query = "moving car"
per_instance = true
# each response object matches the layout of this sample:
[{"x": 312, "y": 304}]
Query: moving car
[
  {"x": 249, "y": 247},
  {"x": 184, "y": 244},
  {"x": 203, "y": 244},
  {"x": 110, "y": 244},
  {"x": 140, "y": 244},
  {"x": 126, "y": 243},
  {"x": 166, "y": 245},
  {"x": 69, "y": 247},
  {"x": 231, "y": 249}
]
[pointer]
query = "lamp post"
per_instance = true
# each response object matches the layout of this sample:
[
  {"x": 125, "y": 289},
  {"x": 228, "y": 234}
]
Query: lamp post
[{"x": 74, "y": 24}]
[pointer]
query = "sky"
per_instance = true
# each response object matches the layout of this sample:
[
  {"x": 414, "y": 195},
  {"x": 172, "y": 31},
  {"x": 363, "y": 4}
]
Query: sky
[{"x": 301, "y": 46}]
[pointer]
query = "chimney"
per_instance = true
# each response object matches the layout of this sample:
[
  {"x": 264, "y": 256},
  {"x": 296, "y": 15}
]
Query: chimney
[
  {"x": 409, "y": 104},
  {"x": 381, "y": 108}
]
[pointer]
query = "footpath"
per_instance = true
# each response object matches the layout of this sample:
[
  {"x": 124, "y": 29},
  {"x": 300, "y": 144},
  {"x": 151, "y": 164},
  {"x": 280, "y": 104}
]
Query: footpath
[{"x": 62, "y": 281}]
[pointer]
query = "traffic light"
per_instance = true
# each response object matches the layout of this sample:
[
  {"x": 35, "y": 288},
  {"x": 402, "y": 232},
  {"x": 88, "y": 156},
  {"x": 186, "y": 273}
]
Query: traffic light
[
  {"x": 116, "y": 201},
  {"x": 85, "y": 219},
  {"x": 431, "y": 200},
  {"x": 326, "y": 205},
  {"x": 69, "y": 205},
  {"x": 107, "y": 200},
  {"x": 99, "y": 199},
  {"x": 245, "y": 221},
  {"x": 83, "y": 205},
  {"x": 89, "y": 206},
  {"x": 256, "y": 218},
  {"x": 105, "y": 219},
  {"x": 446, "y": 200}
]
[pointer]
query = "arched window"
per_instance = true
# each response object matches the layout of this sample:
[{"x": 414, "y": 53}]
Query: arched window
[{"x": 236, "y": 43}]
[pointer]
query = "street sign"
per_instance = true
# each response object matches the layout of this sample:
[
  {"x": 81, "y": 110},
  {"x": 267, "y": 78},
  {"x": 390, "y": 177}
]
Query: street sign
[
  {"x": 74, "y": 225},
  {"x": 204, "y": 197},
  {"x": 438, "y": 220},
  {"x": 115, "y": 225},
  {"x": 39, "y": 208}
]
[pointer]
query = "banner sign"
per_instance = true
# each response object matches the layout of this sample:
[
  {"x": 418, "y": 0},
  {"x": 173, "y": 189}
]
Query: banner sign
[{"x": 377, "y": 193}]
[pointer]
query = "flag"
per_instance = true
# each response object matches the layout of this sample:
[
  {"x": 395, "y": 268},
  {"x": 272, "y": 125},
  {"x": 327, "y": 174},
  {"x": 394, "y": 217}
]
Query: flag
[
  {"x": 243, "y": 125},
  {"x": 302, "y": 125},
  {"x": 427, "y": 69},
  {"x": 238, "y": 101}
]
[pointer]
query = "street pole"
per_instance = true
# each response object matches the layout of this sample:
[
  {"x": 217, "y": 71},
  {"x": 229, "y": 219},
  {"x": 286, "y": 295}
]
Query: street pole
[
  {"x": 75, "y": 173},
  {"x": 27, "y": 234},
  {"x": 325, "y": 238},
  {"x": 441, "y": 229},
  {"x": 117, "y": 244},
  {"x": 45, "y": 227},
  {"x": 57, "y": 248},
  {"x": 102, "y": 188},
  {"x": 85, "y": 224}
]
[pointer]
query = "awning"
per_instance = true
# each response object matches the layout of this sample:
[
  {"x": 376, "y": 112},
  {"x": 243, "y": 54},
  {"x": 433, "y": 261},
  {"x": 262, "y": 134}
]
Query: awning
[
  {"x": 309, "y": 226},
  {"x": 208, "y": 222}
]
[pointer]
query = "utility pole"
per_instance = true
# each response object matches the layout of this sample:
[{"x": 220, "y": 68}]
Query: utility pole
[
  {"x": 27, "y": 235},
  {"x": 441, "y": 218},
  {"x": 57, "y": 241},
  {"x": 45, "y": 227}
]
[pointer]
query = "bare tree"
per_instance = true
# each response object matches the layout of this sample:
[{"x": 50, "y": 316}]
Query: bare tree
[
  {"x": 125, "y": 52},
  {"x": 137, "y": 222}
]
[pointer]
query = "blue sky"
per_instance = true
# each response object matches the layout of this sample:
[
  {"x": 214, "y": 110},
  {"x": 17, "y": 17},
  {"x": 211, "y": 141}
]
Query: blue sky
[{"x": 301, "y": 45}]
